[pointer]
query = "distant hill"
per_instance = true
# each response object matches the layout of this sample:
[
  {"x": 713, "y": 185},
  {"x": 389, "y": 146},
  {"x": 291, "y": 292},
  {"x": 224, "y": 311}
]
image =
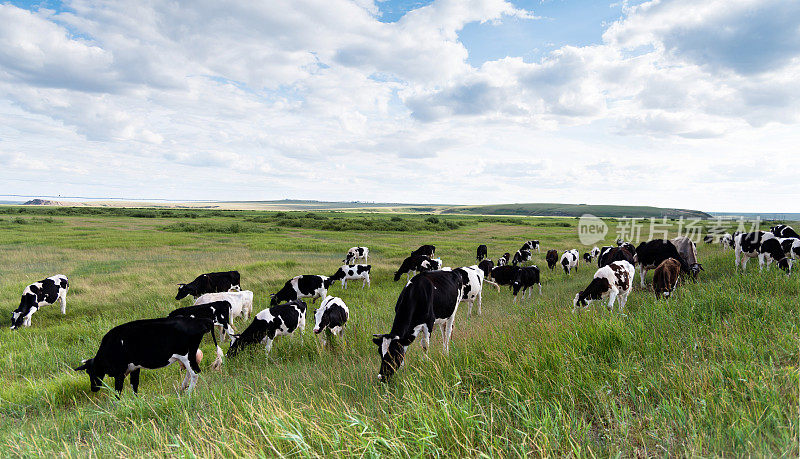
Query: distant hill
[
  {"x": 576, "y": 210},
  {"x": 41, "y": 202}
]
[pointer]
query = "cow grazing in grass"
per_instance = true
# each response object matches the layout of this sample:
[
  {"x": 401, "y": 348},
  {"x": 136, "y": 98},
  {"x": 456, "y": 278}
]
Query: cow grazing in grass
[
  {"x": 353, "y": 272},
  {"x": 417, "y": 264},
  {"x": 611, "y": 281},
  {"x": 726, "y": 241},
  {"x": 748, "y": 245},
  {"x": 595, "y": 252},
  {"x": 784, "y": 231},
  {"x": 356, "y": 253},
  {"x": 486, "y": 266},
  {"x": 665, "y": 277},
  {"x": 330, "y": 317},
  {"x": 521, "y": 256},
  {"x": 650, "y": 254},
  {"x": 569, "y": 260},
  {"x": 149, "y": 344},
  {"x": 525, "y": 279},
  {"x": 503, "y": 261},
  {"x": 770, "y": 251},
  {"x": 504, "y": 275},
  {"x": 428, "y": 299},
  {"x": 280, "y": 320},
  {"x": 219, "y": 312},
  {"x": 472, "y": 278},
  {"x": 241, "y": 302},
  {"x": 303, "y": 286},
  {"x": 481, "y": 253},
  {"x": 688, "y": 251},
  {"x": 551, "y": 258},
  {"x": 209, "y": 283},
  {"x": 38, "y": 294},
  {"x": 587, "y": 257},
  {"x": 530, "y": 246},
  {"x": 426, "y": 250},
  {"x": 790, "y": 246}
]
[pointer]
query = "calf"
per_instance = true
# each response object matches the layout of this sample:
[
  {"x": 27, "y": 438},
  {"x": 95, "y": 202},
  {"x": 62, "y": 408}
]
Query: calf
[
  {"x": 526, "y": 278},
  {"x": 279, "y": 320},
  {"x": 650, "y": 254},
  {"x": 472, "y": 280},
  {"x": 38, "y": 294},
  {"x": 355, "y": 253},
  {"x": 427, "y": 250},
  {"x": 241, "y": 302},
  {"x": 303, "y": 286},
  {"x": 587, "y": 257},
  {"x": 428, "y": 299},
  {"x": 530, "y": 246},
  {"x": 504, "y": 275},
  {"x": 417, "y": 264},
  {"x": 610, "y": 281},
  {"x": 209, "y": 283},
  {"x": 791, "y": 247},
  {"x": 569, "y": 260},
  {"x": 784, "y": 231},
  {"x": 770, "y": 251},
  {"x": 331, "y": 316},
  {"x": 748, "y": 245},
  {"x": 353, "y": 272},
  {"x": 552, "y": 258},
  {"x": 521, "y": 257},
  {"x": 486, "y": 266},
  {"x": 219, "y": 312},
  {"x": 595, "y": 252},
  {"x": 665, "y": 277},
  {"x": 150, "y": 344},
  {"x": 482, "y": 251},
  {"x": 503, "y": 261}
]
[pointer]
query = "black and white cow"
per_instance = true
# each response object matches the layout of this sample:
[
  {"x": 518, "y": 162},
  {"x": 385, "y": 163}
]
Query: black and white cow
[
  {"x": 209, "y": 283},
  {"x": 609, "y": 255},
  {"x": 330, "y": 317},
  {"x": 726, "y": 241},
  {"x": 356, "y": 253},
  {"x": 149, "y": 344},
  {"x": 526, "y": 278},
  {"x": 472, "y": 278},
  {"x": 784, "y": 231},
  {"x": 38, "y": 294},
  {"x": 504, "y": 275},
  {"x": 486, "y": 266},
  {"x": 241, "y": 302},
  {"x": 482, "y": 252},
  {"x": 218, "y": 312},
  {"x": 530, "y": 246},
  {"x": 587, "y": 257},
  {"x": 748, "y": 245},
  {"x": 569, "y": 260},
  {"x": 417, "y": 264},
  {"x": 611, "y": 281},
  {"x": 353, "y": 272},
  {"x": 503, "y": 261},
  {"x": 428, "y": 299},
  {"x": 791, "y": 247},
  {"x": 595, "y": 252},
  {"x": 551, "y": 258},
  {"x": 770, "y": 251},
  {"x": 650, "y": 254},
  {"x": 280, "y": 320},
  {"x": 427, "y": 250},
  {"x": 303, "y": 286},
  {"x": 521, "y": 257}
]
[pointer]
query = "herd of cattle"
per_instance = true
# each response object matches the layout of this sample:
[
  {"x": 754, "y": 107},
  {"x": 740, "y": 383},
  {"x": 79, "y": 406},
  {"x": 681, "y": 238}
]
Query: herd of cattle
[{"x": 430, "y": 297}]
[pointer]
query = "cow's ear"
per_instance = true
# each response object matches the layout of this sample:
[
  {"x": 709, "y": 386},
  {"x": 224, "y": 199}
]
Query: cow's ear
[{"x": 377, "y": 339}]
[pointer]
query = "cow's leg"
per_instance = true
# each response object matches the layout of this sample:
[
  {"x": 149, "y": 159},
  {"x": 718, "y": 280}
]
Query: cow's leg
[
  {"x": 612, "y": 296},
  {"x": 63, "y": 299},
  {"x": 426, "y": 339},
  {"x": 344, "y": 284},
  {"x": 369, "y": 282},
  {"x": 448, "y": 333},
  {"x": 478, "y": 300},
  {"x": 135, "y": 380},
  {"x": 119, "y": 383},
  {"x": 642, "y": 274},
  {"x": 744, "y": 262},
  {"x": 540, "y": 287},
  {"x": 268, "y": 345},
  {"x": 623, "y": 298}
]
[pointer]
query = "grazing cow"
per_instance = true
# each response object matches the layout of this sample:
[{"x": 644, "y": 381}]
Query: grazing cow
[
  {"x": 303, "y": 286},
  {"x": 587, "y": 257},
  {"x": 551, "y": 258},
  {"x": 209, "y": 283},
  {"x": 791, "y": 247},
  {"x": 595, "y": 252},
  {"x": 427, "y": 250},
  {"x": 503, "y": 261},
  {"x": 709, "y": 238},
  {"x": 665, "y": 277},
  {"x": 356, "y": 253},
  {"x": 569, "y": 260},
  {"x": 330, "y": 317},
  {"x": 38, "y": 294},
  {"x": 486, "y": 266},
  {"x": 650, "y": 254},
  {"x": 218, "y": 312},
  {"x": 784, "y": 231},
  {"x": 521, "y": 257},
  {"x": 482, "y": 252},
  {"x": 429, "y": 298},
  {"x": 770, "y": 251},
  {"x": 353, "y": 272},
  {"x": 279, "y": 320},
  {"x": 417, "y": 264},
  {"x": 530, "y": 246},
  {"x": 688, "y": 251},
  {"x": 504, "y": 275},
  {"x": 726, "y": 241},
  {"x": 609, "y": 255},
  {"x": 748, "y": 245},
  {"x": 611, "y": 281},
  {"x": 472, "y": 278},
  {"x": 241, "y": 302},
  {"x": 150, "y": 344},
  {"x": 526, "y": 278}
]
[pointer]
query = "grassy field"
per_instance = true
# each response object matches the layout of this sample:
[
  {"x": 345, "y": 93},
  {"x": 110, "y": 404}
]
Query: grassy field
[{"x": 712, "y": 372}]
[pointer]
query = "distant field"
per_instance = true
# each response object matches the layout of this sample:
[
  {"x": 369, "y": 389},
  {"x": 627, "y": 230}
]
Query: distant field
[
  {"x": 576, "y": 210},
  {"x": 712, "y": 372}
]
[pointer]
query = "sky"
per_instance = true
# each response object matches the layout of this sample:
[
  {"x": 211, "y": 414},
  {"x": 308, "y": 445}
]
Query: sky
[{"x": 673, "y": 103}]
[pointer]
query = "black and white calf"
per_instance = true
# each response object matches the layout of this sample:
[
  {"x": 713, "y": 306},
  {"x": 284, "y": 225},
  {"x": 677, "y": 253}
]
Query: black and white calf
[
  {"x": 784, "y": 231},
  {"x": 280, "y": 320},
  {"x": 331, "y": 316},
  {"x": 427, "y": 250},
  {"x": 356, "y": 253},
  {"x": 417, "y": 264},
  {"x": 552, "y": 258},
  {"x": 428, "y": 299},
  {"x": 472, "y": 278},
  {"x": 530, "y": 246},
  {"x": 481, "y": 253},
  {"x": 791, "y": 247},
  {"x": 149, "y": 344},
  {"x": 611, "y": 281},
  {"x": 650, "y": 254},
  {"x": 219, "y": 312},
  {"x": 38, "y": 294},
  {"x": 521, "y": 257},
  {"x": 726, "y": 241},
  {"x": 503, "y": 261},
  {"x": 353, "y": 272},
  {"x": 526, "y": 278},
  {"x": 595, "y": 252},
  {"x": 303, "y": 286},
  {"x": 209, "y": 283},
  {"x": 771, "y": 250},
  {"x": 587, "y": 257},
  {"x": 569, "y": 260},
  {"x": 241, "y": 302},
  {"x": 748, "y": 245}
]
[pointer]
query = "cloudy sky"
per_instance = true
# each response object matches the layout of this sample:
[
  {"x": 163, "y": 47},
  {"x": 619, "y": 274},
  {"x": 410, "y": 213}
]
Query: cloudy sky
[{"x": 673, "y": 103}]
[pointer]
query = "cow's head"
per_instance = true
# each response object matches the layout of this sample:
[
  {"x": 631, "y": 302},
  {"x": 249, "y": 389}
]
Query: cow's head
[
  {"x": 397, "y": 275},
  {"x": 322, "y": 318},
  {"x": 786, "y": 264},
  {"x": 273, "y": 299},
  {"x": 327, "y": 282},
  {"x": 696, "y": 268},
  {"x": 185, "y": 290},
  {"x": 338, "y": 275},
  {"x": 25, "y": 304},
  {"x": 95, "y": 373},
  {"x": 392, "y": 350}
]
